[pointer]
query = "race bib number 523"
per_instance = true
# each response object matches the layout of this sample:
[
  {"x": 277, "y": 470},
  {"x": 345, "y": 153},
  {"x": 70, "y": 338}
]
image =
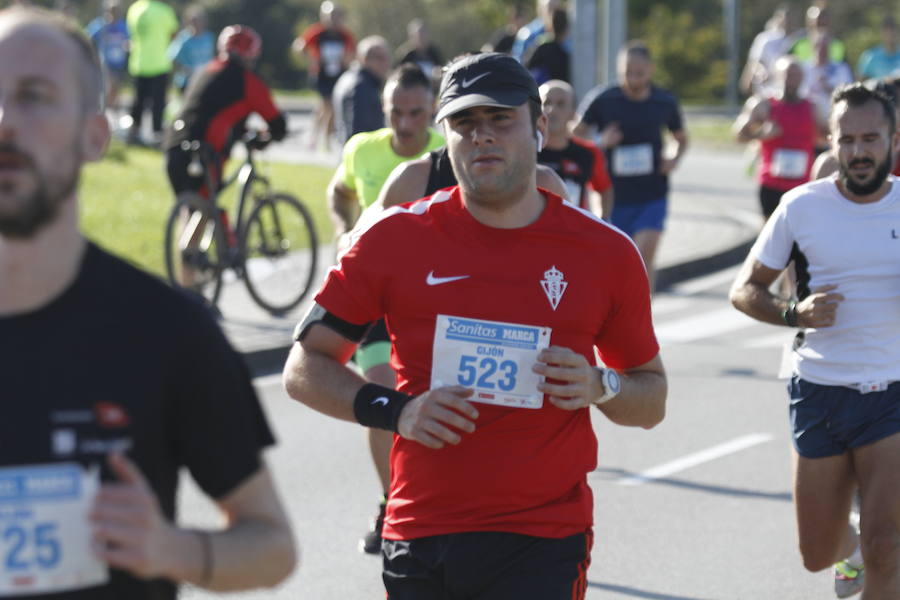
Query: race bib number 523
[
  {"x": 45, "y": 537},
  {"x": 492, "y": 357}
]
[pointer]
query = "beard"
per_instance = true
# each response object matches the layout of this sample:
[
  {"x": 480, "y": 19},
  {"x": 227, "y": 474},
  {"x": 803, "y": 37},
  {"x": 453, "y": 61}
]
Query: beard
[
  {"x": 882, "y": 170},
  {"x": 32, "y": 210}
]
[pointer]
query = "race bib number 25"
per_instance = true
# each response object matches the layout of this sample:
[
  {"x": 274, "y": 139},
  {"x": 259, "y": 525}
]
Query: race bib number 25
[
  {"x": 45, "y": 538},
  {"x": 492, "y": 357}
]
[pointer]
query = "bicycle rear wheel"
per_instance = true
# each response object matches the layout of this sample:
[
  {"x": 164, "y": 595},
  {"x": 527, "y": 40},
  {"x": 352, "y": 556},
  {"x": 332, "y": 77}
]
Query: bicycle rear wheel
[
  {"x": 195, "y": 248},
  {"x": 280, "y": 251}
]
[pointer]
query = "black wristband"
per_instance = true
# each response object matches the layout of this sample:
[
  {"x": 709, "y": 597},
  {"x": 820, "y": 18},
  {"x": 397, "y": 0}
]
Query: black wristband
[
  {"x": 789, "y": 315},
  {"x": 378, "y": 406}
]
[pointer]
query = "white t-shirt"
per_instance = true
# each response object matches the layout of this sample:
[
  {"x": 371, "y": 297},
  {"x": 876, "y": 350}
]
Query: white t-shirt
[
  {"x": 768, "y": 46},
  {"x": 857, "y": 248}
]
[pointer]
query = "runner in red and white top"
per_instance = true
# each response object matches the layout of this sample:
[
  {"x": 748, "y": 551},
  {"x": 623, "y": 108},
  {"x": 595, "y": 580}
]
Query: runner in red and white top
[
  {"x": 495, "y": 307},
  {"x": 580, "y": 163},
  {"x": 787, "y": 126}
]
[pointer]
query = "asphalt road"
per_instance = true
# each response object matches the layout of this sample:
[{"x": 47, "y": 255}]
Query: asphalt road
[{"x": 697, "y": 509}]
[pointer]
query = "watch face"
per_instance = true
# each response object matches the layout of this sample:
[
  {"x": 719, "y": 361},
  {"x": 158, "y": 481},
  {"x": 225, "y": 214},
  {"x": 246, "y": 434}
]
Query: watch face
[{"x": 613, "y": 381}]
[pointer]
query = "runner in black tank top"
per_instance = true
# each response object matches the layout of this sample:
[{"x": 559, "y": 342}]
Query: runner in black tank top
[{"x": 440, "y": 173}]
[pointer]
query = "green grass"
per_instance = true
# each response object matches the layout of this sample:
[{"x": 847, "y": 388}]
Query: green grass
[
  {"x": 712, "y": 131},
  {"x": 295, "y": 93},
  {"x": 126, "y": 197}
]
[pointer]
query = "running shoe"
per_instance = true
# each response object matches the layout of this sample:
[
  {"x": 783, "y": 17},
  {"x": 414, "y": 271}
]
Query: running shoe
[
  {"x": 848, "y": 580},
  {"x": 371, "y": 542}
]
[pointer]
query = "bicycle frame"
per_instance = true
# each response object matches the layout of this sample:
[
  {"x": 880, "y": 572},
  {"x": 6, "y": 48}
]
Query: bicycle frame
[
  {"x": 255, "y": 206},
  {"x": 245, "y": 175}
]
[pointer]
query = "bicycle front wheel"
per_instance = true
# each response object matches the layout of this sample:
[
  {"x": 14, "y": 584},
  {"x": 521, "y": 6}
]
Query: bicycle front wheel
[
  {"x": 195, "y": 248},
  {"x": 280, "y": 250}
]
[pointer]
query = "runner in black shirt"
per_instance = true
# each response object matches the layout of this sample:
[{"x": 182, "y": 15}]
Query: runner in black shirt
[
  {"x": 550, "y": 58},
  {"x": 419, "y": 50},
  {"x": 111, "y": 380}
]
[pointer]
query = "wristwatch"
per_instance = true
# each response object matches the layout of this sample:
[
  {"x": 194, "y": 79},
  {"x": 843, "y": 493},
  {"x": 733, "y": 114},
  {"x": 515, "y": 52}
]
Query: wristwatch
[{"x": 612, "y": 385}]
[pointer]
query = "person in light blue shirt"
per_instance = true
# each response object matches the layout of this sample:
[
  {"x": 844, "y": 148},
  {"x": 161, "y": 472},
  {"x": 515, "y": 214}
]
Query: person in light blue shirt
[
  {"x": 193, "y": 47},
  {"x": 109, "y": 34},
  {"x": 881, "y": 61}
]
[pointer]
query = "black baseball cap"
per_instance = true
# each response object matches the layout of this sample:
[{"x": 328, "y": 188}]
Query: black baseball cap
[{"x": 488, "y": 79}]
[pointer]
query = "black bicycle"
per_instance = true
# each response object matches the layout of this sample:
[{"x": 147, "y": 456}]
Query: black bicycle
[{"x": 272, "y": 245}]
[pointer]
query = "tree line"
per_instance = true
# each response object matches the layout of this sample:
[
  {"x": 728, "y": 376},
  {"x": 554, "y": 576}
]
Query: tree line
[{"x": 686, "y": 36}]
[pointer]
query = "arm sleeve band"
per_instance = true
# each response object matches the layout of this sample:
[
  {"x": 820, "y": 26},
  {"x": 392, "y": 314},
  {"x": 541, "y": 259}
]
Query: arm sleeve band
[{"x": 318, "y": 314}]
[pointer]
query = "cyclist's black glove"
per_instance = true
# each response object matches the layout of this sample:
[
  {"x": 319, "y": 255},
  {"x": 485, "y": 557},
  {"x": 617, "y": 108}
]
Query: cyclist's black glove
[{"x": 258, "y": 141}]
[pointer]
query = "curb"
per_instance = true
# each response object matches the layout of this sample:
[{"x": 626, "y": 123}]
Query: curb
[{"x": 675, "y": 274}]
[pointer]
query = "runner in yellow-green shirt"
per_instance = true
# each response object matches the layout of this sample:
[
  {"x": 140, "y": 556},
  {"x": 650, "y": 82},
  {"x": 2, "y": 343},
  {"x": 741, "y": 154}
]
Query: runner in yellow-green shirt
[
  {"x": 408, "y": 101},
  {"x": 368, "y": 158},
  {"x": 151, "y": 26}
]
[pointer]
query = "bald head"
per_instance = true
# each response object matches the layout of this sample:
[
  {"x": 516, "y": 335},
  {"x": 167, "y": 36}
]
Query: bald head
[
  {"x": 558, "y": 103},
  {"x": 374, "y": 54},
  {"x": 61, "y": 45},
  {"x": 557, "y": 86},
  {"x": 789, "y": 75}
]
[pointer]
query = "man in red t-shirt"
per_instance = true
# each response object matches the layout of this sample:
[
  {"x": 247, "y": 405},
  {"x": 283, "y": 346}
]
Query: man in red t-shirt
[
  {"x": 496, "y": 295},
  {"x": 787, "y": 126},
  {"x": 579, "y": 163}
]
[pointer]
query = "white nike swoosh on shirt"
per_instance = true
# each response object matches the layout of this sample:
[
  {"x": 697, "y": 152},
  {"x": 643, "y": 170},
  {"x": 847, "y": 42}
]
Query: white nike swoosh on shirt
[
  {"x": 467, "y": 82},
  {"x": 432, "y": 280},
  {"x": 380, "y": 400}
]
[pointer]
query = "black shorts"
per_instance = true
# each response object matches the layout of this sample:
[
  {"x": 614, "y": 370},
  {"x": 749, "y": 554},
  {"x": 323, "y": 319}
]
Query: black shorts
[
  {"x": 177, "y": 161},
  {"x": 490, "y": 565},
  {"x": 325, "y": 85},
  {"x": 769, "y": 199}
]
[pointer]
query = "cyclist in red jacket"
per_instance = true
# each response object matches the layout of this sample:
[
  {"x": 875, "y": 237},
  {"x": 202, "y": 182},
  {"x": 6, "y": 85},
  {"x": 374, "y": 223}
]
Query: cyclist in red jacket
[
  {"x": 216, "y": 106},
  {"x": 217, "y": 103}
]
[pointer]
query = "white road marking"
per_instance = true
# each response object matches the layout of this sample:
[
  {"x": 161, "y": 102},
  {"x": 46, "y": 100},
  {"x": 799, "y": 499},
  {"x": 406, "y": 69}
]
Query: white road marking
[{"x": 698, "y": 458}]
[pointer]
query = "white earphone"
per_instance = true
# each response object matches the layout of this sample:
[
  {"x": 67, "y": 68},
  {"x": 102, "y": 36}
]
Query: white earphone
[{"x": 540, "y": 140}]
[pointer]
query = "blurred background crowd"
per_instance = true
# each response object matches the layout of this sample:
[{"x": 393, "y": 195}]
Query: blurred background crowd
[{"x": 687, "y": 37}]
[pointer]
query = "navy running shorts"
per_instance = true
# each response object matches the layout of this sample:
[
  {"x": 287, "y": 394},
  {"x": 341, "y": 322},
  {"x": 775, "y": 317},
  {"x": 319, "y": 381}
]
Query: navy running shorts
[
  {"x": 829, "y": 420},
  {"x": 487, "y": 564},
  {"x": 633, "y": 218}
]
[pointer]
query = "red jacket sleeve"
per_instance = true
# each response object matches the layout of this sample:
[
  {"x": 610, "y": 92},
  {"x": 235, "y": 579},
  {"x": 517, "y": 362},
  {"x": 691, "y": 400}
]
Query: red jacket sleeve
[{"x": 311, "y": 38}]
